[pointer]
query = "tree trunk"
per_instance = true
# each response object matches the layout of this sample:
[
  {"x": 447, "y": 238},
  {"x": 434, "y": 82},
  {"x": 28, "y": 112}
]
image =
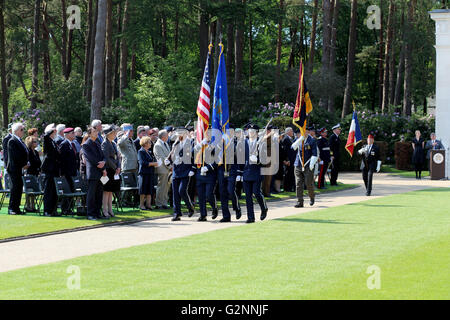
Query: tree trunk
[
  {"x": 69, "y": 54},
  {"x": 177, "y": 29},
  {"x": 35, "y": 58},
  {"x": 408, "y": 61},
  {"x": 117, "y": 53},
  {"x": 312, "y": 45},
  {"x": 91, "y": 53},
  {"x": 250, "y": 51},
  {"x": 239, "y": 45},
  {"x": 333, "y": 45},
  {"x": 327, "y": 7},
  {"x": 203, "y": 34},
  {"x": 401, "y": 64},
  {"x": 3, "y": 67},
  {"x": 99, "y": 50},
  {"x": 45, "y": 50},
  {"x": 350, "y": 59},
  {"x": 387, "y": 59},
  {"x": 124, "y": 53},
  {"x": 279, "y": 44},
  {"x": 87, "y": 51},
  {"x": 64, "y": 39},
  {"x": 164, "y": 35},
  {"x": 133, "y": 63},
  {"x": 109, "y": 54},
  {"x": 293, "y": 35},
  {"x": 230, "y": 49},
  {"x": 392, "y": 63},
  {"x": 218, "y": 40}
]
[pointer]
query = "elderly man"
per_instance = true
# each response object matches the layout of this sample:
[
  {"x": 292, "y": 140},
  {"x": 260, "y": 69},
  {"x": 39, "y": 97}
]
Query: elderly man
[
  {"x": 17, "y": 161},
  {"x": 127, "y": 150},
  {"x": 289, "y": 159},
  {"x": 141, "y": 132},
  {"x": 97, "y": 125},
  {"x": 161, "y": 150},
  {"x": 69, "y": 163},
  {"x": 60, "y": 133},
  {"x": 334, "y": 143},
  {"x": 433, "y": 144},
  {"x": 50, "y": 167},
  {"x": 78, "y": 137}
]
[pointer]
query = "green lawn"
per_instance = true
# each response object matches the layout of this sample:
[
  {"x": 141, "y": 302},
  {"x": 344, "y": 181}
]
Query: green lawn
[
  {"x": 16, "y": 226},
  {"x": 317, "y": 255},
  {"x": 403, "y": 173}
]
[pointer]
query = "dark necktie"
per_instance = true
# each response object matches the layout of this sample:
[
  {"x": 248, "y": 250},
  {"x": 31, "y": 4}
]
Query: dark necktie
[{"x": 74, "y": 148}]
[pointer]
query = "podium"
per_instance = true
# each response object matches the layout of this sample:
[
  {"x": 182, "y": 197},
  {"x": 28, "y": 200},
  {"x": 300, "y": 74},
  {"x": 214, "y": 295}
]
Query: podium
[{"x": 437, "y": 164}]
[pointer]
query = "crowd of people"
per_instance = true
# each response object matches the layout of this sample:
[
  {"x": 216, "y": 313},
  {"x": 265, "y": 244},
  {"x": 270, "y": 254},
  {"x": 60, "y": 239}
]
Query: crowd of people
[
  {"x": 422, "y": 150},
  {"x": 171, "y": 166}
]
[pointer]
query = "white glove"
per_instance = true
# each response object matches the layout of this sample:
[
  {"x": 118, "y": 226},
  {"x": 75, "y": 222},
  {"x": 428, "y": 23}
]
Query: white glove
[
  {"x": 167, "y": 162},
  {"x": 379, "y": 166},
  {"x": 204, "y": 169},
  {"x": 159, "y": 163},
  {"x": 312, "y": 162},
  {"x": 321, "y": 162},
  {"x": 191, "y": 173},
  {"x": 297, "y": 143},
  {"x": 204, "y": 142},
  {"x": 362, "y": 150},
  {"x": 238, "y": 178},
  {"x": 253, "y": 158}
]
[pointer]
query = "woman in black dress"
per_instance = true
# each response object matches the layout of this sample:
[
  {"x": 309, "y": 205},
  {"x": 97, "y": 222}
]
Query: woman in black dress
[
  {"x": 147, "y": 164},
  {"x": 34, "y": 170},
  {"x": 418, "y": 145},
  {"x": 109, "y": 149}
]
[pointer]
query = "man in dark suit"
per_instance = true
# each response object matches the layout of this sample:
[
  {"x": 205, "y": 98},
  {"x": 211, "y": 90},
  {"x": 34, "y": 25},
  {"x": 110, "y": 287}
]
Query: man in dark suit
[
  {"x": 289, "y": 159},
  {"x": 335, "y": 144},
  {"x": 305, "y": 161},
  {"x": 60, "y": 133},
  {"x": 370, "y": 162},
  {"x": 5, "y": 145},
  {"x": 69, "y": 163},
  {"x": 324, "y": 155},
  {"x": 17, "y": 161},
  {"x": 51, "y": 168},
  {"x": 433, "y": 144},
  {"x": 95, "y": 169},
  {"x": 141, "y": 132}
]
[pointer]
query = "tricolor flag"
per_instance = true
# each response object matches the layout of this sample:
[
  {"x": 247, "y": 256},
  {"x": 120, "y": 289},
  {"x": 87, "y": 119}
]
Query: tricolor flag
[
  {"x": 354, "y": 135},
  {"x": 303, "y": 105}
]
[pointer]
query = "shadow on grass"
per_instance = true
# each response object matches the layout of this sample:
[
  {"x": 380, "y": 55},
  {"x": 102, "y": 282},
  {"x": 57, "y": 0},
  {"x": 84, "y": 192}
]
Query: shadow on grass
[
  {"x": 313, "y": 221},
  {"x": 377, "y": 205}
]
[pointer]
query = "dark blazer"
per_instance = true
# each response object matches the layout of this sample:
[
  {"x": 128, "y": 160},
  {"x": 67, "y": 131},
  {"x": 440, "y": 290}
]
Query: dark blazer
[
  {"x": 429, "y": 147},
  {"x": 182, "y": 170},
  {"x": 111, "y": 155},
  {"x": 252, "y": 171},
  {"x": 144, "y": 158},
  {"x": 92, "y": 152},
  {"x": 5, "y": 148},
  {"x": 288, "y": 153},
  {"x": 69, "y": 159},
  {"x": 334, "y": 143},
  {"x": 35, "y": 163},
  {"x": 17, "y": 156},
  {"x": 370, "y": 158},
  {"x": 58, "y": 139},
  {"x": 51, "y": 163},
  {"x": 310, "y": 150},
  {"x": 324, "y": 149},
  {"x": 137, "y": 144}
]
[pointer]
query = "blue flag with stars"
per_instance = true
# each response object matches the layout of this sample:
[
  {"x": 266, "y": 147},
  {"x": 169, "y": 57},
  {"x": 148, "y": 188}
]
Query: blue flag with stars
[{"x": 220, "y": 116}]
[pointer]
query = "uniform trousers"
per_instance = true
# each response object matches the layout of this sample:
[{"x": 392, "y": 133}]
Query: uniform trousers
[
  {"x": 179, "y": 190},
  {"x": 253, "y": 188},
  {"x": 303, "y": 178}
]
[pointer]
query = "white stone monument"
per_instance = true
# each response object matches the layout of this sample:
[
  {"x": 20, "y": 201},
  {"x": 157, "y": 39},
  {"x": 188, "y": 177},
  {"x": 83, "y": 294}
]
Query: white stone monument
[{"x": 442, "y": 18}]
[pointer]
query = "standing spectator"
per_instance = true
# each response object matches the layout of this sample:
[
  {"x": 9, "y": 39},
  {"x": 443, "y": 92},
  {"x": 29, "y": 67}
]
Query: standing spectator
[
  {"x": 79, "y": 136},
  {"x": 82, "y": 159},
  {"x": 111, "y": 154},
  {"x": 34, "y": 133},
  {"x": 147, "y": 163},
  {"x": 50, "y": 167},
  {"x": 97, "y": 125},
  {"x": 141, "y": 132},
  {"x": 127, "y": 150},
  {"x": 35, "y": 168},
  {"x": 5, "y": 145},
  {"x": 335, "y": 153},
  {"x": 418, "y": 144},
  {"x": 60, "y": 133},
  {"x": 95, "y": 168},
  {"x": 288, "y": 160},
  {"x": 433, "y": 144},
  {"x": 17, "y": 161},
  {"x": 69, "y": 164},
  {"x": 161, "y": 150}
]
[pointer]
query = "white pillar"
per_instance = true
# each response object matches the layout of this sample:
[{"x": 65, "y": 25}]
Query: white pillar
[{"x": 442, "y": 18}]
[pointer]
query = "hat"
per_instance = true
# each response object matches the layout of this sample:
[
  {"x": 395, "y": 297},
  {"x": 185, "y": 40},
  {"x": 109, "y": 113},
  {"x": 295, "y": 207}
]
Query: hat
[
  {"x": 322, "y": 130},
  {"x": 127, "y": 127},
  {"x": 168, "y": 128},
  {"x": 50, "y": 128},
  {"x": 68, "y": 130},
  {"x": 371, "y": 136},
  {"x": 338, "y": 126},
  {"x": 190, "y": 128},
  {"x": 253, "y": 126},
  {"x": 141, "y": 129},
  {"x": 109, "y": 128}
]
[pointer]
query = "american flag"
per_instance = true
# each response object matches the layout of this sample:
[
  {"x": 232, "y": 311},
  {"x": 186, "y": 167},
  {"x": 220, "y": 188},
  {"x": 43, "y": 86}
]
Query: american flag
[{"x": 203, "y": 106}]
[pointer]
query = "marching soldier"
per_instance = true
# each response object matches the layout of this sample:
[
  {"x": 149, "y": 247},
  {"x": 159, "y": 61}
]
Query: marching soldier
[
  {"x": 304, "y": 166},
  {"x": 324, "y": 155},
  {"x": 252, "y": 175},
  {"x": 183, "y": 169},
  {"x": 370, "y": 162},
  {"x": 334, "y": 143}
]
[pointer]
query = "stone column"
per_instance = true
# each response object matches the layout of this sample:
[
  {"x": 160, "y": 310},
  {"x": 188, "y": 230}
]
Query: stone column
[{"x": 442, "y": 19}]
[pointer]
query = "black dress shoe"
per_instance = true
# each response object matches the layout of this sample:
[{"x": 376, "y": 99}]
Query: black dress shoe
[
  {"x": 250, "y": 221},
  {"x": 46, "y": 214},
  {"x": 165, "y": 207},
  {"x": 11, "y": 212},
  {"x": 225, "y": 220},
  {"x": 176, "y": 218},
  {"x": 311, "y": 202},
  {"x": 238, "y": 213},
  {"x": 264, "y": 214},
  {"x": 91, "y": 218},
  {"x": 191, "y": 212},
  {"x": 215, "y": 213},
  {"x": 202, "y": 219},
  {"x": 368, "y": 193},
  {"x": 299, "y": 205}
]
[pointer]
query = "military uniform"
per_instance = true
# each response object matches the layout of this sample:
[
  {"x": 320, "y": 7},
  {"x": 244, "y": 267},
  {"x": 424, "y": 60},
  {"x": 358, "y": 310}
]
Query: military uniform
[
  {"x": 325, "y": 158},
  {"x": 304, "y": 168},
  {"x": 370, "y": 163},
  {"x": 334, "y": 143}
]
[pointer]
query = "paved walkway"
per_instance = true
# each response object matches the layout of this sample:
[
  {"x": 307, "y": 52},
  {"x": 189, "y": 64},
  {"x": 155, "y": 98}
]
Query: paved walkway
[{"x": 32, "y": 252}]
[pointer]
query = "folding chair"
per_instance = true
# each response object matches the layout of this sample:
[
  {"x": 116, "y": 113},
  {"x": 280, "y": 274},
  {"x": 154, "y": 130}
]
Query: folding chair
[
  {"x": 33, "y": 188},
  {"x": 4, "y": 191},
  {"x": 80, "y": 186},
  {"x": 129, "y": 185},
  {"x": 63, "y": 191}
]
